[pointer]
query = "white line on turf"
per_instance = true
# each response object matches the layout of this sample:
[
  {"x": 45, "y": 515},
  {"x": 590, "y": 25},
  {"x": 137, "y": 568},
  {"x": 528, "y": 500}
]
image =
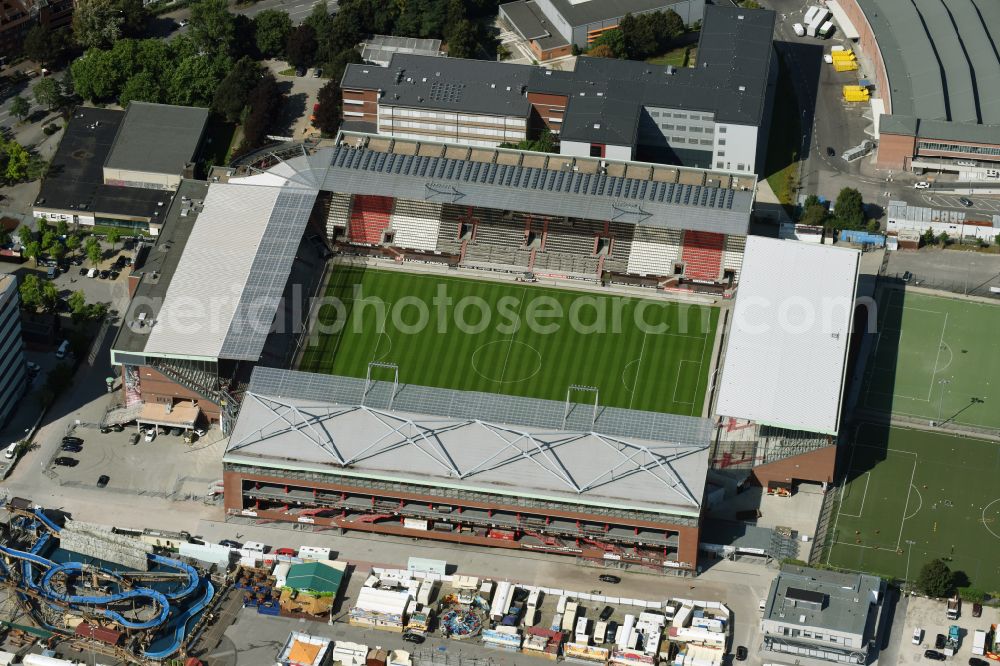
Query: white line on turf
[
  {"x": 868, "y": 476},
  {"x": 937, "y": 358},
  {"x": 906, "y": 507},
  {"x": 517, "y": 327},
  {"x": 638, "y": 369},
  {"x": 678, "y": 381}
]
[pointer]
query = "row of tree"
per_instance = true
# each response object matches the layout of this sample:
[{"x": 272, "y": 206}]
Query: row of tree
[
  {"x": 639, "y": 37},
  {"x": 57, "y": 242},
  {"x": 848, "y": 212}
]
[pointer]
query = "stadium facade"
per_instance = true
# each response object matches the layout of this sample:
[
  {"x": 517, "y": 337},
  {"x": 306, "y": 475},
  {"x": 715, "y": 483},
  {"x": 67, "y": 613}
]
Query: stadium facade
[{"x": 716, "y": 115}]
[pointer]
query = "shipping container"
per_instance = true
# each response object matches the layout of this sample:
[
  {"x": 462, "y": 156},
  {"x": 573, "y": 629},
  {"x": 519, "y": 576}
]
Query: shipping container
[
  {"x": 799, "y": 29},
  {"x": 415, "y": 524},
  {"x": 582, "y": 631},
  {"x": 569, "y": 617}
]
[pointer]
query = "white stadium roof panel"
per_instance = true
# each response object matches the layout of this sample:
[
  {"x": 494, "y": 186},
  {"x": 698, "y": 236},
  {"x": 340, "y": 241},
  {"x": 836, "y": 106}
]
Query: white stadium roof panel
[{"x": 788, "y": 340}]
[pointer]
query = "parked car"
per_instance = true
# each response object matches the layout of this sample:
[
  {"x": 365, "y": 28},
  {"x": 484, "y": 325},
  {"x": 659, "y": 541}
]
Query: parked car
[
  {"x": 150, "y": 435},
  {"x": 610, "y": 578},
  {"x": 965, "y": 201},
  {"x": 830, "y": 152},
  {"x": 918, "y": 636},
  {"x": 229, "y": 543},
  {"x": 104, "y": 274},
  {"x": 288, "y": 552},
  {"x": 609, "y": 635},
  {"x": 33, "y": 367},
  {"x": 977, "y": 609},
  {"x": 976, "y": 661},
  {"x": 103, "y": 480},
  {"x": 933, "y": 654},
  {"x": 65, "y": 461},
  {"x": 606, "y": 613},
  {"x": 177, "y": 432},
  {"x": 133, "y": 438},
  {"x": 71, "y": 447},
  {"x": 83, "y": 272},
  {"x": 939, "y": 641},
  {"x": 413, "y": 637},
  {"x": 114, "y": 275},
  {"x": 922, "y": 185},
  {"x": 69, "y": 439},
  {"x": 741, "y": 653}
]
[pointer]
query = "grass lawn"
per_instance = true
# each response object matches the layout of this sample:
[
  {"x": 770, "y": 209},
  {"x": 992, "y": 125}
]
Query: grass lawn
[
  {"x": 936, "y": 358},
  {"x": 679, "y": 57},
  {"x": 938, "y": 491},
  {"x": 657, "y": 369},
  {"x": 784, "y": 139}
]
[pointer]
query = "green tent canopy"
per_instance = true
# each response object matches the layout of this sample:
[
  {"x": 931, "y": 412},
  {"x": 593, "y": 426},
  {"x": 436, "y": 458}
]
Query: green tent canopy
[{"x": 315, "y": 577}]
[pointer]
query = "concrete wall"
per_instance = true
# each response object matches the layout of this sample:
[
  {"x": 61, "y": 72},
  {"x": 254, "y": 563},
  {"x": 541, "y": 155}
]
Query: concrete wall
[
  {"x": 146, "y": 179},
  {"x": 895, "y": 151},
  {"x": 818, "y": 466},
  {"x": 735, "y": 147},
  {"x": 582, "y": 149}
]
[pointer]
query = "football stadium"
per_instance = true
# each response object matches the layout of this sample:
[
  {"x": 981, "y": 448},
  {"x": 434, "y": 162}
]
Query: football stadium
[{"x": 484, "y": 346}]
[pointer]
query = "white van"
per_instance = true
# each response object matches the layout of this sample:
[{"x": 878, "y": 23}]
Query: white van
[{"x": 63, "y": 349}]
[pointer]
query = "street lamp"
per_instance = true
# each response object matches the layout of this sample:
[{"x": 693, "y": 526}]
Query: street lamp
[{"x": 906, "y": 578}]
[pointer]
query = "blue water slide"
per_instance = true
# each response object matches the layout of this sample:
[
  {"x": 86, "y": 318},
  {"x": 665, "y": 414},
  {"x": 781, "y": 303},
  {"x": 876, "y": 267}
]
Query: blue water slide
[
  {"x": 75, "y": 567},
  {"x": 45, "y": 521},
  {"x": 180, "y": 623},
  {"x": 192, "y": 574}
]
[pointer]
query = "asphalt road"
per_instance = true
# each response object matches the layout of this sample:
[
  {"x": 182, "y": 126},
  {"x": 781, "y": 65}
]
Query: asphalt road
[{"x": 297, "y": 10}]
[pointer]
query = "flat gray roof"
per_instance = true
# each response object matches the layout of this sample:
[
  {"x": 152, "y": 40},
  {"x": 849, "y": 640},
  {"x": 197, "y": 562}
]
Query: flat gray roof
[
  {"x": 847, "y": 599},
  {"x": 529, "y": 21},
  {"x": 579, "y": 13},
  {"x": 942, "y": 58},
  {"x": 561, "y": 185},
  {"x": 472, "y": 441},
  {"x": 157, "y": 138},
  {"x": 380, "y": 48},
  {"x": 940, "y": 130},
  {"x": 730, "y": 81}
]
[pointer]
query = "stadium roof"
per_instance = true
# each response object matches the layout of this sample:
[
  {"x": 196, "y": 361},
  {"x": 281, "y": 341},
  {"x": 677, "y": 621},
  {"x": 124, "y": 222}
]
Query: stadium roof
[
  {"x": 787, "y": 353},
  {"x": 228, "y": 282},
  {"x": 630, "y": 192},
  {"x": 942, "y": 58},
  {"x": 157, "y": 138},
  {"x": 379, "y": 48},
  {"x": 442, "y": 437}
]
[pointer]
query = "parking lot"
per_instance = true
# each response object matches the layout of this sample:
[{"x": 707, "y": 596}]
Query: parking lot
[
  {"x": 980, "y": 204},
  {"x": 165, "y": 467},
  {"x": 929, "y": 615}
]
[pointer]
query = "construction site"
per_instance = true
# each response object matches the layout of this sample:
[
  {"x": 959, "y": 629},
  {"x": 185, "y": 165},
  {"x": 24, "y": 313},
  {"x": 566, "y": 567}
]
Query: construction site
[{"x": 84, "y": 588}]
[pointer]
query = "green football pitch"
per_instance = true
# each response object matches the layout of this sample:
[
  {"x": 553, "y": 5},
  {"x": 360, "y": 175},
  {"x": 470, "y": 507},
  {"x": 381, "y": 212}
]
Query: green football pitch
[
  {"x": 935, "y": 359},
  {"x": 937, "y": 491},
  {"x": 513, "y": 338}
]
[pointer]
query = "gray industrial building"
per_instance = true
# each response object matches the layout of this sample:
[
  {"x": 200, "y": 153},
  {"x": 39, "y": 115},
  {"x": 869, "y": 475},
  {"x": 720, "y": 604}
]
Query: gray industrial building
[
  {"x": 552, "y": 27},
  {"x": 823, "y": 615},
  {"x": 12, "y": 370}
]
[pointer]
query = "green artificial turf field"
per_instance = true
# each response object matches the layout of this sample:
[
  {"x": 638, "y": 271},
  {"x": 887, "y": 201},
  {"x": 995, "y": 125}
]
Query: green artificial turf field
[
  {"x": 938, "y": 491},
  {"x": 665, "y": 371},
  {"x": 935, "y": 359}
]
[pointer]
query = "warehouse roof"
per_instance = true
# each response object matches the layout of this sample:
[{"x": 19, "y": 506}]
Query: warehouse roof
[
  {"x": 473, "y": 441},
  {"x": 787, "y": 352},
  {"x": 941, "y": 130},
  {"x": 730, "y": 81},
  {"x": 823, "y": 599},
  {"x": 506, "y": 179},
  {"x": 75, "y": 180},
  {"x": 237, "y": 258},
  {"x": 157, "y": 138},
  {"x": 941, "y": 58},
  {"x": 378, "y": 49}
]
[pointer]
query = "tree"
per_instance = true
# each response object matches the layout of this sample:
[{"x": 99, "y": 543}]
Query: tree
[
  {"x": 73, "y": 242},
  {"x": 57, "y": 251},
  {"x": 97, "y": 23},
  {"x": 935, "y": 579},
  {"x": 927, "y": 238},
  {"x": 113, "y": 236},
  {"x": 300, "y": 48},
  {"x": 195, "y": 79},
  {"x": 32, "y": 250},
  {"x": 873, "y": 226},
  {"x": 20, "y": 108},
  {"x": 77, "y": 302},
  {"x": 45, "y": 46},
  {"x": 18, "y": 160},
  {"x": 62, "y": 228},
  {"x": 48, "y": 93},
  {"x": 850, "y": 211},
  {"x": 25, "y": 234},
  {"x": 213, "y": 28},
  {"x": 601, "y": 51},
  {"x": 49, "y": 296},
  {"x": 97, "y": 76},
  {"x": 94, "y": 252},
  {"x": 141, "y": 87},
  {"x": 271, "y": 30},
  {"x": 48, "y": 239},
  {"x": 231, "y": 94},
  {"x": 814, "y": 215},
  {"x": 613, "y": 40},
  {"x": 263, "y": 102},
  {"x": 750, "y": 4},
  {"x": 461, "y": 39},
  {"x": 944, "y": 239},
  {"x": 996, "y": 239},
  {"x": 31, "y": 292}
]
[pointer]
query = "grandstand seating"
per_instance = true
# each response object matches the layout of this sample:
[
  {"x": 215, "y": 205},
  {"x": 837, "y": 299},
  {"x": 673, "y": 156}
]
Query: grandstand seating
[
  {"x": 572, "y": 236},
  {"x": 451, "y": 225},
  {"x": 654, "y": 251},
  {"x": 338, "y": 213},
  {"x": 702, "y": 255},
  {"x": 369, "y": 218},
  {"x": 416, "y": 224},
  {"x": 492, "y": 228},
  {"x": 732, "y": 255},
  {"x": 564, "y": 262}
]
